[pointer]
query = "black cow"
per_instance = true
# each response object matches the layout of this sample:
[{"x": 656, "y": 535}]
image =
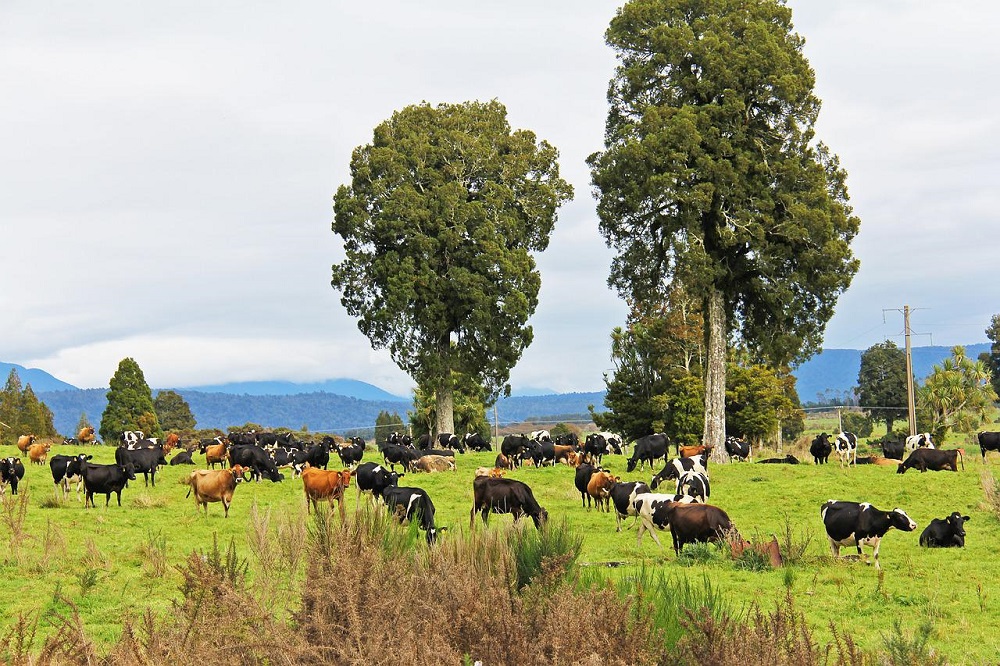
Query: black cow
[
  {"x": 945, "y": 532},
  {"x": 935, "y": 460},
  {"x": 394, "y": 454},
  {"x": 504, "y": 496},
  {"x": 860, "y": 524},
  {"x": 255, "y": 459},
  {"x": 583, "y": 473},
  {"x": 182, "y": 458},
  {"x": 596, "y": 446},
  {"x": 104, "y": 480},
  {"x": 145, "y": 460},
  {"x": 674, "y": 469},
  {"x": 352, "y": 453},
  {"x": 67, "y": 470},
  {"x": 648, "y": 449},
  {"x": 821, "y": 448},
  {"x": 988, "y": 441},
  {"x": 787, "y": 460},
  {"x": 476, "y": 442},
  {"x": 11, "y": 473},
  {"x": 568, "y": 439},
  {"x": 513, "y": 448},
  {"x": 423, "y": 442},
  {"x": 373, "y": 478},
  {"x": 407, "y": 503},
  {"x": 737, "y": 449},
  {"x": 318, "y": 455},
  {"x": 893, "y": 450},
  {"x": 622, "y": 496}
]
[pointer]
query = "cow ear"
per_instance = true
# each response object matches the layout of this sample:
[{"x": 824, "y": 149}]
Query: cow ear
[{"x": 966, "y": 518}]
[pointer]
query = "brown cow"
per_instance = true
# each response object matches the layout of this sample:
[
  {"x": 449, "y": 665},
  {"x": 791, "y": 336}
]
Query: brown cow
[
  {"x": 172, "y": 440},
  {"x": 491, "y": 472},
  {"x": 692, "y": 451},
  {"x": 770, "y": 550},
  {"x": 503, "y": 462},
  {"x": 25, "y": 441},
  {"x": 599, "y": 488},
  {"x": 323, "y": 485},
  {"x": 433, "y": 463},
  {"x": 566, "y": 454},
  {"x": 213, "y": 485},
  {"x": 86, "y": 435},
  {"x": 697, "y": 522},
  {"x": 216, "y": 453},
  {"x": 37, "y": 453}
]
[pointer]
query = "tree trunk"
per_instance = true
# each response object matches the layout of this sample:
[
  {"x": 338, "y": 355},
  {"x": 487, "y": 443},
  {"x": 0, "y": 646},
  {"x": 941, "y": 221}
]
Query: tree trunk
[
  {"x": 715, "y": 375},
  {"x": 445, "y": 403}
]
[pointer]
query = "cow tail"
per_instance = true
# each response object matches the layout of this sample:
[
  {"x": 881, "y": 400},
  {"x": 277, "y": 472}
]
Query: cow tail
[{"x": 962, "y": 459}]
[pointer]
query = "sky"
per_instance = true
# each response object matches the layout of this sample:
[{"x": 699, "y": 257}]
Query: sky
[{"x": 167, "y": 172}]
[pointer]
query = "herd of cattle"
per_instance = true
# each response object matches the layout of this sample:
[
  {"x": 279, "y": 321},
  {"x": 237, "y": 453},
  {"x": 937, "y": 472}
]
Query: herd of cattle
[{"x": 686, "y": 513}]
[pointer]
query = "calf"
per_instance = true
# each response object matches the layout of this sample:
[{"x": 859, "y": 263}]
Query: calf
[
  {"x": 104, "y": 480},
  {"x": 322, "y": 485},
  {"x": 988, "y": 441},
  {"x": 11, "y": 473},
  {"x": 504, "y": 496},
  {"x": 409, "y": 503},
  {"x": 860, "y": 524},
  {"x": 67, "y": 470},
  {"x": 770, "y": 550},
  {"x": 945, "y": 532},
  {"x": 210, "y": 485},
  {"x": 651, "y": 508},
  {"x": 599, "y": 488},
  {"x": 676, "y": 467},
  {"x": 846, "y": 446},
  {"x": 738, "y": 449},
  {"x": 935, "y": 460},
  {"x": 494, "y": 472},
  {"x": 690, "y": 523},
  {"x": 821, "y": 448}
]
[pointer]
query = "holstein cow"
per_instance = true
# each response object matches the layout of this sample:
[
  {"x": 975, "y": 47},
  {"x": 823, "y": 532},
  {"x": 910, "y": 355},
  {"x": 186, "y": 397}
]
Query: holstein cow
[
  {"x": 352, "y": 452},
  {"x": 394, "y": 454},
  {"x": 321, "y": 485},
  {"x": 513, "y": 447},
  {"x": 860, "y": 524},
  {"x": 919, "y": 441},
  {"x": 24, "y": 442},
  {"x": 476, "y": 442},
  {"x": 583, "y": 473},
  {"x": 433, "y": 463},
  {"x": 409, "y": 503},
  {"x": 599, "y": 488},
  {"x": 67, "y": 470},
  {"x": 596, "y": 446},
  {"x": 648, "y": 449},
  {"x": 104, "y": 480},
  {"x": 623, "y": 496},
  {"x": 651, "y": 508},
  {"x": 674, "y": 469},
  {"x": 690, "y": 523},
  {"x": 935, "y": 460},
  {"x": 504, "y": 496},
  {"x": 37, "y": 453},
  {"x": 11, "y": 473},
  {"x": 846, "y": 446},
  {"x": 131, "y": 437},
  {"x": 144, "y": 461},
  {"x": 821, "y": 448},
  {"x": 988, "y": 441},
  {"x": 738, "y": 449},
  {"x": 213, "y": 485},
  {"x": 373, "y": 478},
  {"x": 86, "y": 435},
  {"x": 945, "y": 532},
  {"x": 446, "y": 440},
  {"x": 694, "y": 484}
]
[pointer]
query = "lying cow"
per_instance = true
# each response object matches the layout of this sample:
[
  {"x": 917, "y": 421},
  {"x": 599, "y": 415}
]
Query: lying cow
[
  {"x": 433, "y": 463},
  {"x": 935, "y": 460},
  {"x": 945, "y": 532},
  {"x": 860, "y": 524},
  {"x": 787, "y": 460},
  {"x": 213, "y": 485}
]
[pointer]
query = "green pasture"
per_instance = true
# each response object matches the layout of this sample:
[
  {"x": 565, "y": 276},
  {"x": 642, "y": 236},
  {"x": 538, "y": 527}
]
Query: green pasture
[{"x": 114, "y": 562}]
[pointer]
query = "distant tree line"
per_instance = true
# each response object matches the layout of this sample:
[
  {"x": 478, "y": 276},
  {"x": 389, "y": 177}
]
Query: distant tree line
[{"x": 22, "y": 413}]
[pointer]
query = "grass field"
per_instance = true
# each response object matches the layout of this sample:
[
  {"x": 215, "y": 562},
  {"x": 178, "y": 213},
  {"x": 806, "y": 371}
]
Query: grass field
[{"x": 114, "y": 562}]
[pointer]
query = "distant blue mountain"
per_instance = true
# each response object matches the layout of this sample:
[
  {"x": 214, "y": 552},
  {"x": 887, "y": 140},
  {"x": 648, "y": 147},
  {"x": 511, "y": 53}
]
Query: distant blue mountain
[
  {"x": 352, "y": 388},
  {"x": 39, "y": 379}
]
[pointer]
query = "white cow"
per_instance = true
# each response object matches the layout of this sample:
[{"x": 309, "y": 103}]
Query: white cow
[
  {"x": 846, "y": 446},
  {"x": 918, "y": 441}
]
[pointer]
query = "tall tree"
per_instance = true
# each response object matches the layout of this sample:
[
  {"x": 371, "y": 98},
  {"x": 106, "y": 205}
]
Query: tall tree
[
  {"x": 469, "y": 409},
  {"x": 882, "y": 383},
  {"x": 711, "y": 177},
  {"x": 756, "y": 402},
  {"x": 21, "y": 412},
  {"x": 992, "y": 359},
  {"x": 130, "y": 404},
  {"x": 958, "y": 395},
  {"x": 385, "y": 425},
  {"x": 173, "y": 412},
  {"x": 443, "y": 211}
]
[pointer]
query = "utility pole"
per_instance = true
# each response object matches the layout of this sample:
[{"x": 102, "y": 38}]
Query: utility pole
[{"x": 911, "y": 410}]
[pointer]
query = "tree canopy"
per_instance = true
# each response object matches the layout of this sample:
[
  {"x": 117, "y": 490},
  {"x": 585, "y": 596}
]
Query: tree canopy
[
  {"x": 439, "y": 222},
  {"x": 992, "y": 359},
  {"x": 21, "y": 412},
  {"x": 130, "y": 404},
  {"x": 173, "y": 412},
  {"x": 711, "y": 177},
  {"x": 957, "y": 395},
  {"x": 882, "y": 383}
]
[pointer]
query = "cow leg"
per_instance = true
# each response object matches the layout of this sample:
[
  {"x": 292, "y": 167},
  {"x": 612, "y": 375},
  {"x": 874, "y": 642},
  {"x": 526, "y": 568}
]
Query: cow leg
[
  {"x": 834, "y": 548},
  {"x": 225, "y": 507},
  {"x": 878, "y": 542}
]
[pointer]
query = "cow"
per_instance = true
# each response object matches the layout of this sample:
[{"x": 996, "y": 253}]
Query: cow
[
  {"x": 919, "y": 441},
  {"x": 351, "y": 454},
  {"x": 564, "y": 453},
  {"x": 945, "y": 532},
  {"x": 394, "y": 454},
  {"x": 37, "y": 453},
  {"x": 690, "y": 523},
  {"x": 988, "y": 441},
  {"x": 567, "y": 439},
  {"x": 494, "y": 472},
  {"x": 540, "y": 436},
  {"x": 676, "y": 467},
  {"x": 255, "y": 459},
  {"x": 513, "y": 448},
  {"x": 599, "y": 488},
  {"x": 11, "y": 473},
  {"x": 104, "y": 480},
  {"x": 373, "y": 478},
  {"x": 648, "y": 449},
  {"x": 131, "y": 437},
  {"x": 182, "y": 458},
  {"x": 235, "y": 437},
  {"x": 533, "y": 452},
  {"x": 622, "y": 497},
  {"x": 692, "y": 451},
  {"x": 596, "y": 446},
  {"x": 787, "y": 460},
  {"x": 171, "y": 441},
  {"x": 24, "y": 442},
  {"x": 770, "y": 550},
  {"x": 86, "y": 435},
  {"x": 821, "y": 448},
  {"x": 476, "y": 442},
  {"x": 213, "y": 485},
  {"x": 613, "y": 441},
  {"x": 145, "y": 460},
  {"x": 432, "y": 463},
  {"x": 694, "y": 484},
  {"x": 846, "y": 446},
  {"x": 318, "y": 455},
  {"x": 894, "y": 450},
  {"x": 860, "y": 524},
  {"x": 409, "y": 503},
  {"x": 935, "y": 460},
  {"x": 294, "y": 459},
  {"x": 583, "y": 473},
  {"x": 503, "y": 462},
  {"x": 651, "y": 508},
  {"x": 504, "y": 496},
  {"x": 67, "y": 470},
  {"x": 446, "y": 440},
  {"x": 215, "y": 453},
  {"x": 321, "y": 485},
  {"x": 738, "y": 449}
]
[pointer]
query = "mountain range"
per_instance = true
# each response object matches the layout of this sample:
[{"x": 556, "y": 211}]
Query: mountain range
[{"x": 343, "y": 404}]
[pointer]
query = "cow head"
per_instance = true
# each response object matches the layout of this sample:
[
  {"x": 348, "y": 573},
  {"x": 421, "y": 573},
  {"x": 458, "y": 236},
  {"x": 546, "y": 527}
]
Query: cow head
[
  {"x": 956, "y": 522},
  {"x": 901, "y": 521}
]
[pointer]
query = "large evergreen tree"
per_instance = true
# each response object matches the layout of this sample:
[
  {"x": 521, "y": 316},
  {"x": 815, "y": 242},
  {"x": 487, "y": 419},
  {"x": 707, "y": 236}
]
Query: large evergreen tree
[
  {"x": 443, "y": 212},
  {"x": 173, "y": 412},
  {"x": 882, "y": 383},
  {"x": 130, "y": 404},
  {"x": 21, "y": 412},
  {"x": 711, "y": 177}
]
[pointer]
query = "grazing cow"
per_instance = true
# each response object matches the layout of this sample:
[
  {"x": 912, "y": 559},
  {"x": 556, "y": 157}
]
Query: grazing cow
[
  {"x": 86, "y": 435},
  {"x": 67, "y": 470},
  {"x": 352, "y": 453},
  {"x": 11, "y": 473},
  {"x": 446, "y": 440},
  {"x": 860, "y": 524},
  {"x": 787, "y": 460},
  {"x": 145, "y": 460},
  {"x": 255, "y": 459},
  {"x": 476, "y": 442},
  {"x": 24, "y": 442},
  {"x": 622, "y": 497},
  {"x": 651, "y": 508},
  {"x": 821, "y": 448},
  {"x": 846, "y": 446},
  {"x": 676, "y": 468},
  {"x": 935, "y": 460},
  {"x": 648, "y": 449},
  {"x": 373, "y": 478},
  {"x": 433, "y": 463},
  {"x": 919, "y": 441},
  {"x": 596, "y": 446},
  {"x": 513, "y": 448},
  {"x": 394, "y": 454},
  {"x": 988, "y": 441},
  {"x": 690, "y": 523},
  {"x": 583, "y": 473},
  {"x": 894, "y": 450},
  {"x": 694, "y": 484},
  {"x": 213, "y": 485},
  {"x": 599, "y": 489},
  {"x": 407, "y": 503},
  {"x": 182, "y": 458},
  {"x": 37, "y": 453},
  {"x": 104, "y": 480},
  {"x": 504, "y": 496},
  {"x": 692, "y": 451},
  {"x": 738, "y": 449},
  {"x": 945, "y": 532},
  {"x": 323, "y": 485}
]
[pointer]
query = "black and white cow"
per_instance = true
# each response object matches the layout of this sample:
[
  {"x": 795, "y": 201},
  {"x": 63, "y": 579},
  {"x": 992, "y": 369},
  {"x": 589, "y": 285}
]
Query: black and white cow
[
  {"x": 648, "y": 449},
  {"x": 945, "y": 532},
  {"x": 145, "y": 460},
  {"x": 596, "y": 446},
  {"x": 409, "y": 503},
  {"x": 821, "y": 448},
  {"x": 651, "y": 508},
  {"x": 131, "y": 437},
  {"x": 476, "y": 442},
  {"x": 352, "y": 452},
  {"x": 104, "y": 480},
  {"x": 540, "y": 436},
  {"x": 623, "y": 497},
  {"x": 446, "y": 440},
  {"x": 67, "y": 470},
  {"x": 738, "y": 449},
  {"x": 11, "y": 473},
  {"x": 694, "y": 484},
  {"x": 373, "y": 478},
  {"x": 674, "y": 469},
  {"x": 988, "y": 441},
  {"x": 919, "y": 441},
  {"x": 513, "y": 448},
  {"x": 846, "y": 446},
  {"x": 393, "y": 455},
  {"x": 860, "y": 524}
]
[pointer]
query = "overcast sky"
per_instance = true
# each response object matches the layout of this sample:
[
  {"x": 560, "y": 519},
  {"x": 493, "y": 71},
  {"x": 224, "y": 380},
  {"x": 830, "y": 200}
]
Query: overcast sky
[{"x": 167, "y": 172}]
